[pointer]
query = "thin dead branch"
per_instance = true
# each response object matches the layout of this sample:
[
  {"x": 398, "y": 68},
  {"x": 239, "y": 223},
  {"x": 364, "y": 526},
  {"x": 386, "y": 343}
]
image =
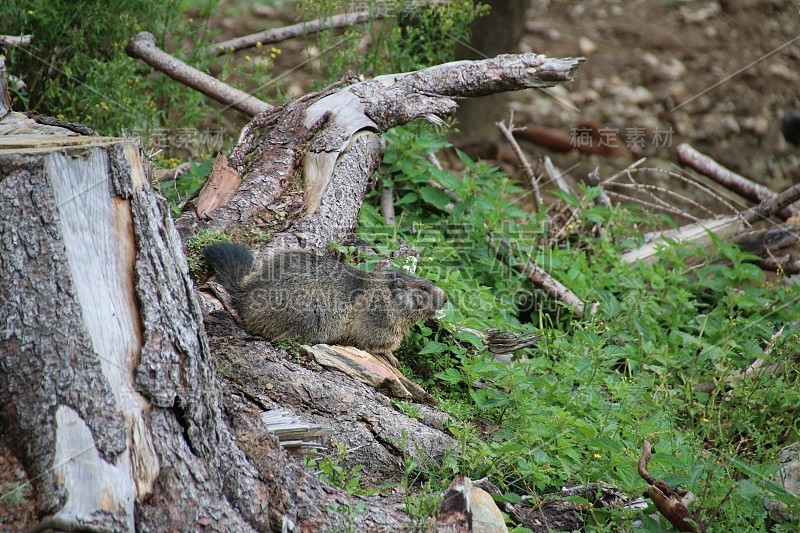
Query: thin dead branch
[
  {"x": 551, "y": 286},
  {"x": 774, "y": 204},
  {"x": 692, "y": 181},
  {"x": 666, "y": 500},
  {"x": 556, "y": 176},
  {"x": 14, "y": 40},
  {"x": 726, "y": 177},
  {"x": 625, "y": 171},
  {"x": 650, "y": 189},
  {"x": 143, "y": 46},
  {"x": 665, "y": 208},
  {"x": 593, "y": 178},
  {"x": 277, "y": 35},
  {"x": 387, "y": 203},
  {"x": 526, "y": 166},
  {"x": 787, "y": 264}
]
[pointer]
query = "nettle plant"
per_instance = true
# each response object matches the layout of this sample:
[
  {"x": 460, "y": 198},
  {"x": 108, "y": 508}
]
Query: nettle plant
[{"x": 662, "y": 360}]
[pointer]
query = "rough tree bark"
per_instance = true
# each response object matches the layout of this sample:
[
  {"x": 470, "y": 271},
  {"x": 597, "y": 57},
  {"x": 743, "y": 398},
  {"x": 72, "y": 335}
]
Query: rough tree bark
[{"x": 107, "y": 382}]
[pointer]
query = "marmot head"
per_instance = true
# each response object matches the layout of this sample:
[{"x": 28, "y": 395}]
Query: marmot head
[{"x": 416, "y": 295}]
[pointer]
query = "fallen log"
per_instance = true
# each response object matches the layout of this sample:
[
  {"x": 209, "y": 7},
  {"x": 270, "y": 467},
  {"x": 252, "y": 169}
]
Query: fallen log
[
  {"x": 726, "y": 228},
  {"x": 736, "y": 182}
]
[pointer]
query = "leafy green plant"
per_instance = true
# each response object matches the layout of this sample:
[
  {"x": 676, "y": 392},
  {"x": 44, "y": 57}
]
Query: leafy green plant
[
  {"x": 412, "y": 35},
  {"x": 178, "y": 190},
  {"x": 195, "y": 245},
  {"x": 663, "y": 359},
  {"x": 332, "y": 471},
  {"x": 76, "y": 68}
]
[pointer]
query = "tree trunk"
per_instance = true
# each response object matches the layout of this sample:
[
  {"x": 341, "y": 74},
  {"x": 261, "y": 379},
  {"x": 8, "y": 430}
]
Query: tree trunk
[
  {"x": 106, "y": 380},
  {"x": 107, "y": 387},
  {"x": 499, "y": 32}
]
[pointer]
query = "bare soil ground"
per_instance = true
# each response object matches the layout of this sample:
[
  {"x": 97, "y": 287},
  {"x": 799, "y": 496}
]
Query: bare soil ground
[{"x": 719, "y": 75}]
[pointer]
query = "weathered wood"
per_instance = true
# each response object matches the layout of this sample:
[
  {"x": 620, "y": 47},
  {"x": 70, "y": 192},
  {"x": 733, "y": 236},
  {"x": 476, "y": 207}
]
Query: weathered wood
[
  {"x": 363, "y": 419},
  {"x": 107, "y": 385},
  {"x": 219, "y": 188},
  {"x": 735, "y": 182},
  {"x": 345, "y": 124},
  {"x": 277, "y": 35},
  {"x": 367, "y": 368},
  {"x": 5, "y": 98},
  {"x": 726, "y": 228},
  {"x": 70, "y": 333},
  {"x": 143, "y": 46}
]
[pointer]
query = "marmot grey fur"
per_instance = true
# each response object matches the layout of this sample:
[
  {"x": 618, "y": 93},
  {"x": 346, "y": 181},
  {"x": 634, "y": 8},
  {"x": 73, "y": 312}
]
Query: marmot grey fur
[{"x": 312, "y": 299}]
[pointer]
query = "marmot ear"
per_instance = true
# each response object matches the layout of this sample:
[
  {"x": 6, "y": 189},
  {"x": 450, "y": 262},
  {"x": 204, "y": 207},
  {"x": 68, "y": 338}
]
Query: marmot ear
[{"x": 398, "y": 282}]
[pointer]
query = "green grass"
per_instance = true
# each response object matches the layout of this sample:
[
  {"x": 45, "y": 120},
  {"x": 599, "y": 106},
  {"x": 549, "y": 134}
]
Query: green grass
[{"x": 579, "y": 407}]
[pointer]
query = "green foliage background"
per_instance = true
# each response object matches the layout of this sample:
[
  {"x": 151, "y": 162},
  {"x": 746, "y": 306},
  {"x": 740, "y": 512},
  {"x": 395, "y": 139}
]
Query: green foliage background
[
  {"x": 659, "y": 361},
  {"x": 76, "y": 67}
]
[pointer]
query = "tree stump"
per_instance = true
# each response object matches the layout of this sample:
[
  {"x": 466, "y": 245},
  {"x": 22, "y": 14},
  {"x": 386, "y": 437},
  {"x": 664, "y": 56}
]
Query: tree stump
[
  {"x": 107, "y": 385},
  {"x": 105, "y": 378}
]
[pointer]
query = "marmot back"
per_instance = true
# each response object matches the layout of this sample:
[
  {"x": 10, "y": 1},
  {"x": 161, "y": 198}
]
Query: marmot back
[{"x": 313, "y": 299}]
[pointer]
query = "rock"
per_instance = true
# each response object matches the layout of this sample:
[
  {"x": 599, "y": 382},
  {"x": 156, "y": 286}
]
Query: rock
[
  {"x": 672, "y": 70},
  {"x": 758, "y": 125},
  {"x": 790, "y": 126},
  {"x": 586, "y": 46},
  {"x": 789, "y": 477},
  {"x": 650, "y": 60},
  {"x": 694, "y": 16},
  {"x": 781, "y": 71},
  {"x": 486, "y": 516},
  {"x": 715, "y": 125}
]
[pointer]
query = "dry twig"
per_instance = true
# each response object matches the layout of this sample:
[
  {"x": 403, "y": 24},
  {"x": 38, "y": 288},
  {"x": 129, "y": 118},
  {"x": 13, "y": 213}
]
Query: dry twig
[
  {"x": 277, "y": 35},
  {"x": 551, "y": 286},
  {"x": 666, "y": 500},
  {"x": 143, "y": 46},
  {"x": 735, "y": 182},
  {"x": 594, "y": 180},
  {"x": 526, "y": 166}
]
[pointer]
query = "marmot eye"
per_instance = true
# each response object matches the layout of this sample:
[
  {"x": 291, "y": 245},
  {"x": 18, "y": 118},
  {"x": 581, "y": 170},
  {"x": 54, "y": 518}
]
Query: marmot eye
[{"x": 425, "y": 288}]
